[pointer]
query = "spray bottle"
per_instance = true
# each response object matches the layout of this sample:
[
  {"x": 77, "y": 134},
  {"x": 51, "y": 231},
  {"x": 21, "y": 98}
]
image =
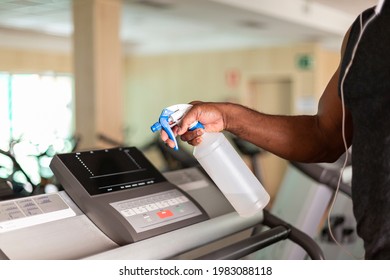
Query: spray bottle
[{"x": 221, "y": 162}]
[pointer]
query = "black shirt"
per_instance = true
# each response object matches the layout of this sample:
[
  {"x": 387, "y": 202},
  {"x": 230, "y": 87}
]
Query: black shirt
[{"x": 367, "y": 97}]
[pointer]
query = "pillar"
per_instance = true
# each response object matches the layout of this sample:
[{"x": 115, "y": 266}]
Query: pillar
[{"x": 98, "y": 71}]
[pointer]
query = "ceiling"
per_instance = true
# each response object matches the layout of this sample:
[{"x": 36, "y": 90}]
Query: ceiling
[{"x": 155, "y": 26}]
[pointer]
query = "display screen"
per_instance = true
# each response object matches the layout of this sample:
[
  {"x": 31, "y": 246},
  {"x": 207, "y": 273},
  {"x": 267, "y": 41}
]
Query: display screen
[{"x": 111, "y": 170}]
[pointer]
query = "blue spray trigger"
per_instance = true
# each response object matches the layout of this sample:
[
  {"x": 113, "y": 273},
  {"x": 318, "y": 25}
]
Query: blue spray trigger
[
  {"x": 165, "y": 125},
  {"x": 170, "y": 117}
]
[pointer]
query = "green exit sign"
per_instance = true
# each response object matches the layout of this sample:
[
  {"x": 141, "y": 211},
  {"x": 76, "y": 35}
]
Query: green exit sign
[{"x": 305, "y": 62}]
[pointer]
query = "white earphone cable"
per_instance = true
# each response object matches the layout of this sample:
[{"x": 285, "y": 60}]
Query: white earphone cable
[{"x": 362, "y": 29}]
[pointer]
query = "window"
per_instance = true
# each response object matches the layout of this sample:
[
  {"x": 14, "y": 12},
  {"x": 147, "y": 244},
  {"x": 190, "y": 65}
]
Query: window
[
  {"x": 4, "y": 112},
  {"x": 35, "y": 115}
]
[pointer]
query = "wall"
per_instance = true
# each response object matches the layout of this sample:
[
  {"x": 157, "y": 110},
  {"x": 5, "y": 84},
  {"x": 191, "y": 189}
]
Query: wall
[
  {"x": 154, "y": 82},
  {"x": 328, "y": 62},
  {"x": 14, "y": 60}
]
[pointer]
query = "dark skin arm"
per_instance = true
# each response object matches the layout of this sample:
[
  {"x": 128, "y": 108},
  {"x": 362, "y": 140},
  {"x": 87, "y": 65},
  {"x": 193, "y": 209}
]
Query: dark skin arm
[{"x": 316, "y": 138}]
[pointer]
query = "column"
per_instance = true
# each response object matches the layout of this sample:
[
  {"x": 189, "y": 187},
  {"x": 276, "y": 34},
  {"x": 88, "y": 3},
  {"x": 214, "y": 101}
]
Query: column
[{"x": 98, "y": 71}]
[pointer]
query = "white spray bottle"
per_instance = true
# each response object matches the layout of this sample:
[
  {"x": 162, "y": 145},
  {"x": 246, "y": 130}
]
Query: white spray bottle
[{"x": 221, "y": 162}]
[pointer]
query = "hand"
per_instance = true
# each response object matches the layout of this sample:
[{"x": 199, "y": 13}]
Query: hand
[{"x": 211, "y": 115}]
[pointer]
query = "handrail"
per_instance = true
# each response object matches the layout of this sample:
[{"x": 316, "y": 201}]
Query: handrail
[
  {"x": 279, "y": 230},
  {"x": 297, "y": 236}
]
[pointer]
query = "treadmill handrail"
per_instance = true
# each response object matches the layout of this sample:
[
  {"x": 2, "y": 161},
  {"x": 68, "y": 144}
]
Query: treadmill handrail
[
  {"x": 297, "y": 236},
  {"x": 279, "y": 230}
]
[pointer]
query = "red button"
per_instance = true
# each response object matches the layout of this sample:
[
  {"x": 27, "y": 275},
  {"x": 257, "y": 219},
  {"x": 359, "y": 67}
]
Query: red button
[{"x": 165, "y": 214}]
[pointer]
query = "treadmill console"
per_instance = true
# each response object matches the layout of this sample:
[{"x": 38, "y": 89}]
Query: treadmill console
[{"x": 124, "y": 194}]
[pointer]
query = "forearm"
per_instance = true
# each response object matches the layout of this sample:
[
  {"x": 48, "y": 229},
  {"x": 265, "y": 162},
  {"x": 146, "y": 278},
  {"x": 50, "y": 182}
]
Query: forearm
[{"x": 296, "y": 138}]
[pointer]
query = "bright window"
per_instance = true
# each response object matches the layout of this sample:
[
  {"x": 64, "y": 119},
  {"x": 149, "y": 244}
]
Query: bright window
[
  {"x": 4, "y": 112},
  {"x": 36, "y": 113}
]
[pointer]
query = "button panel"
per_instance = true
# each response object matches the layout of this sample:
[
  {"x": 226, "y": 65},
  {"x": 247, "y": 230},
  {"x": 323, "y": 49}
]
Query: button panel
[
  {"x": 25, "y": 212},
  {"x": 156, "y": 210}
]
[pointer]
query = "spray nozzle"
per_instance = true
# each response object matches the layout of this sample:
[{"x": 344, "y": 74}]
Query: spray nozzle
[{"x": 170, "y": 117}]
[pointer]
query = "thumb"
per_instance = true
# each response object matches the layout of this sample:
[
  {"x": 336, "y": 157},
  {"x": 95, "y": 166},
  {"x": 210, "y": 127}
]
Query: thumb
[{"x": 188, "y": 119}]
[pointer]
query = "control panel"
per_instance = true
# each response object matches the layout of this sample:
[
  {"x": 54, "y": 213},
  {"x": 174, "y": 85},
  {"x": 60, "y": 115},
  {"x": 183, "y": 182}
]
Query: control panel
[{"x": 124, "y": 194}]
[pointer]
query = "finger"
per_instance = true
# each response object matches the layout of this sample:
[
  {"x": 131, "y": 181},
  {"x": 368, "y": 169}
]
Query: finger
[
  {"x": 164, "y": 135},
  {"x": 170, "y": 143},
  {"x": 175, "y": 130},
  {"x": 189, "y": 119},
  {"x": 195, "y": 102},
  {"x": 196, "y": 141},
  {"x": 190, "y": 135}
]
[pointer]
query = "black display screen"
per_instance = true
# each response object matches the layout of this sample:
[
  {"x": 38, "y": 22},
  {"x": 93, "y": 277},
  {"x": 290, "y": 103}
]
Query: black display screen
[{"x": 109, "y": 170}]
